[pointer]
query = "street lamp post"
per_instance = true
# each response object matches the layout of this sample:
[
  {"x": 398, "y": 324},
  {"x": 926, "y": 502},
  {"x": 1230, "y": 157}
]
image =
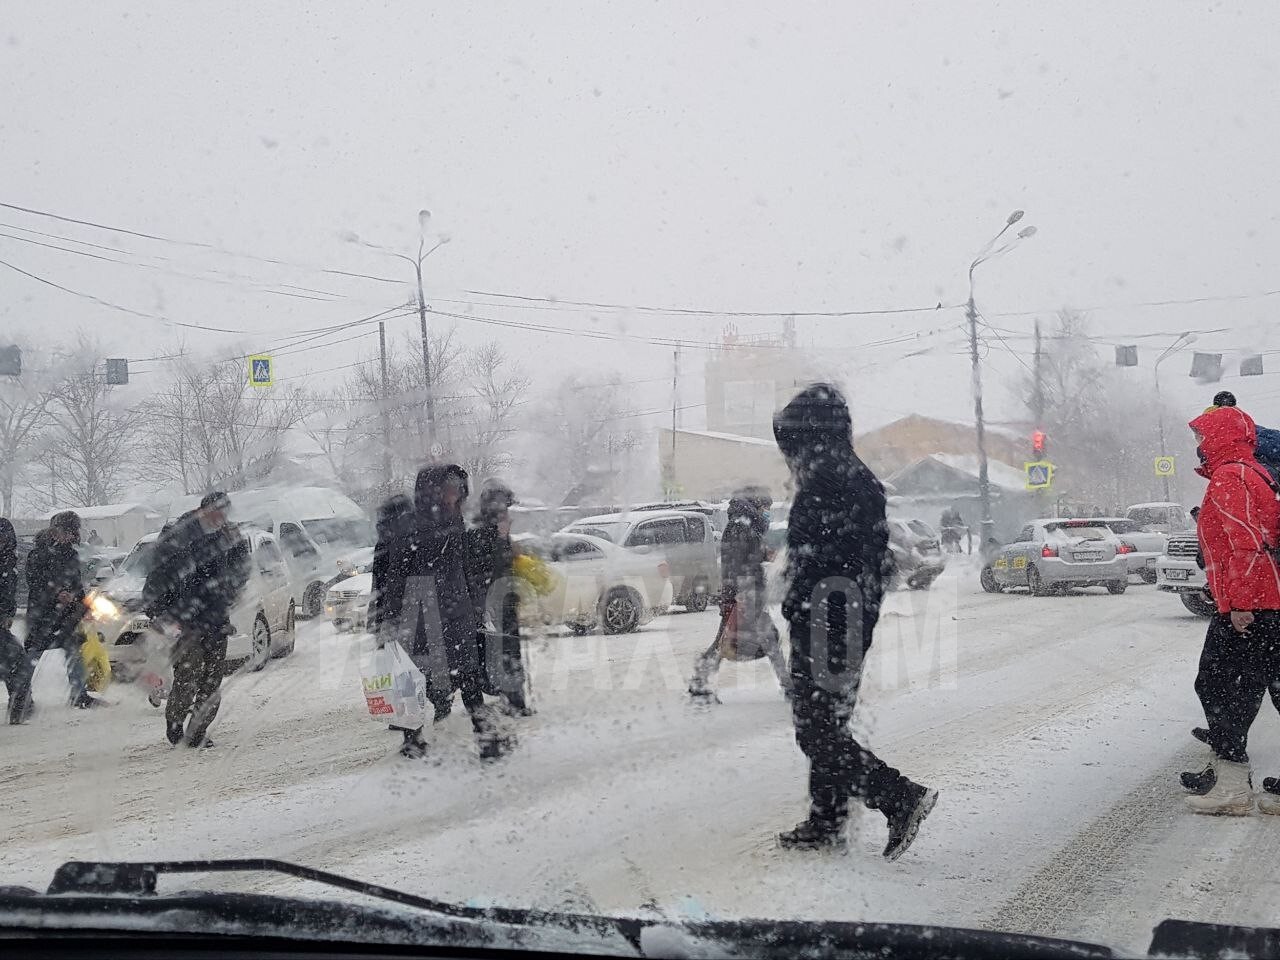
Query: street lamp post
[
  {"x": 424, "y": 217},
  {"x": 984, "y": 481},
  {"x": 1184, "y": 340}
]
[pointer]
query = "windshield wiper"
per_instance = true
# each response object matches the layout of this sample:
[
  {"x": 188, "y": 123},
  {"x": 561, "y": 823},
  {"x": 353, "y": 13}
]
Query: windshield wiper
[{"x": 86, "y": 895}]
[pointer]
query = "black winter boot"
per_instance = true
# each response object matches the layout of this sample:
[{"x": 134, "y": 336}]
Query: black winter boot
[
  {"x": 414, "y": 747},
  {"x": 813, "y": 834},
  {"x": 904, "y": 822},
  {"x": 492, "y": 740},
  {"x": 1199, "y": 783},
  {"x": 174, "y": 732}
]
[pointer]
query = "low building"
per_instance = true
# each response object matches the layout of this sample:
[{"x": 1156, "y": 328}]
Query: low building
[
  {"x": 708, "y": 465},
  {"x": 904, "y": 442},
  {"x": 934, "y": 483},
  {"x": 116, "y": 524}
]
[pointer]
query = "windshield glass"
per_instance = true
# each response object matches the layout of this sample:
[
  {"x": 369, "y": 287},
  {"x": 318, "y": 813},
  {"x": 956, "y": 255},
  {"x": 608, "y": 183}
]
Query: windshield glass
[
  {"x": 340, "y": 531},
  {"x": 613, "y": 531},
  {"x": 937, "y": 288},
  {"x": 138, "y": 562},
  {"x": 1149, "y": 516},
  {"x": 1078, "y": 533}
]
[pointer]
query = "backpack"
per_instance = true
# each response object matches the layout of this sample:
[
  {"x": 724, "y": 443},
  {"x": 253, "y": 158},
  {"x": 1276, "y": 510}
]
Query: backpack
[{"x": 1267, "y": 451}]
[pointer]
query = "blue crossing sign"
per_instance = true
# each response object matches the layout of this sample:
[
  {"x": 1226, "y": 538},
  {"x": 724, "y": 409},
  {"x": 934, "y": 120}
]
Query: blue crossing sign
[
  {"x": 1039, "y": 474},
  {"x": 260, "y": 372}
]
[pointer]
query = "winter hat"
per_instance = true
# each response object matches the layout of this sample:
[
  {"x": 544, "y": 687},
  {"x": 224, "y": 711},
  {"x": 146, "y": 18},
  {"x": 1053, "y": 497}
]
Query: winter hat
[
  {"x": 68, "y": 521},
  {"x": 1224, "y": 398},
  {"x": 495, "y": 499},
  {"x": 215, "y": 500}
]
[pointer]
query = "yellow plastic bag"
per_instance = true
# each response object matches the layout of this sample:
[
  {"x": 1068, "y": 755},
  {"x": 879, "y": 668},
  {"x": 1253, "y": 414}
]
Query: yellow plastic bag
[
  {"x": 97, "y": 665},
  {"x": 535, "y": 573}
]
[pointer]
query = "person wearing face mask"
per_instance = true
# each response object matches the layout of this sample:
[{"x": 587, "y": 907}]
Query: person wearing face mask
[
  {"x": 423, "y": 602},
  {"x": 491, "y": 577},
  {"x": 746, "y": 630},
  {"x": 16, "y": 668}
]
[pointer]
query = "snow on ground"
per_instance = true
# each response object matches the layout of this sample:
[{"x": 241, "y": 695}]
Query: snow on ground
[{"x": 1054, "y": 728}]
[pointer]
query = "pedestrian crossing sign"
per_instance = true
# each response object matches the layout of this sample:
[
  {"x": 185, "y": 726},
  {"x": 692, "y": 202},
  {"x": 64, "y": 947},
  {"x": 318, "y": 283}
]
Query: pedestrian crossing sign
[
  {"x": 1039, "y": 475},
  {"x": 260, "y": 372}
]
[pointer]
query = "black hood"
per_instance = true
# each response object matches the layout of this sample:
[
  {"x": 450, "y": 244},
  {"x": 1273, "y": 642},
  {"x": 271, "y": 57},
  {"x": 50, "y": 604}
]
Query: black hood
[
  {"x": 749, "y": 506},
  {"x": 430, "y": 484},
  {"x": 816, "y": 422}
]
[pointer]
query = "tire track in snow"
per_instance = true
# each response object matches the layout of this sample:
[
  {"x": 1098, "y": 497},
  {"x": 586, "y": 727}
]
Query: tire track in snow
[{"x": 1090, "y": 870}]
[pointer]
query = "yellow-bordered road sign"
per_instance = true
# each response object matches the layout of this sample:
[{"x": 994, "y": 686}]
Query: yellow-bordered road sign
[
  {"x": 1039, "y": 474},
  {"x": 261, "y": 372},
  {"x": 1164, "y": 466}
]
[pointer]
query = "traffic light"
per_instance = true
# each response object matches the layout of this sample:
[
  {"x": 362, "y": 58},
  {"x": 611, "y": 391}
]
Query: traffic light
[
  {"x": 117, "y": 372},
  {"x": 1037, "y": 441},
  {"x": 10, "y": 362}
]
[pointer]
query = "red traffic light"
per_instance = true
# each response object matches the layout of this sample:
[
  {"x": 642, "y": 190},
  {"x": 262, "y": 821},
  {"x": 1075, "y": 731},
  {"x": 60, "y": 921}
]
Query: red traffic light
[{"x": 1037, "y": 441}]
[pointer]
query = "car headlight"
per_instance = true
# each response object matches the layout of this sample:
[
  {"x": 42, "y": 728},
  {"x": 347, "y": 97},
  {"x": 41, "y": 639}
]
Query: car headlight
[{"x": 101, "y": 607}]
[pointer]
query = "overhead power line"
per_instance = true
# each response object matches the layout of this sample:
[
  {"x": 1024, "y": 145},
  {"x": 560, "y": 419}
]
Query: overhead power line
[
  {"x": 111, "y": 305},
  {"x": 195, "y": 244}
]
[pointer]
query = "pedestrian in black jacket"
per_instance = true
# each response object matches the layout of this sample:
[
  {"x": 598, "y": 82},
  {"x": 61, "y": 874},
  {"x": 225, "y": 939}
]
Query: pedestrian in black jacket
[
  {"x": 838, "y": 554},
  {"x": 55, "y": 600},
  {"x": 422, "y": 602},
  {"x": 746, "y": 630},
  {"x": 201, "y": 564},
  {"x": 15, "y": 664},
  {"x": 491, "y": 577}
]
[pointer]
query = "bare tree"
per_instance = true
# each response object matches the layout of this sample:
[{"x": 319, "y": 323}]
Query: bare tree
[
  {"x": 1101, "y": 426},
  {"x": 24, "y": 410},
  {"x": 586, "y": 436},
  {"x": 93, "y": 433},
  {"x": 209, "y": 428},
  {"x": 497, "y": 389}
]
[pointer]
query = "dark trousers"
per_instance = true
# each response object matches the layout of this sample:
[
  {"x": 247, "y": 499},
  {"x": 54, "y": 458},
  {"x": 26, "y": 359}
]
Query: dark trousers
[
  {"x": 16, "y": 670},
  {"x": 840, "y": 768},
  {"x": 1236, "y": 670},
  {"x": 199, "y": 662},
  {"x": 503, "y": 666}
]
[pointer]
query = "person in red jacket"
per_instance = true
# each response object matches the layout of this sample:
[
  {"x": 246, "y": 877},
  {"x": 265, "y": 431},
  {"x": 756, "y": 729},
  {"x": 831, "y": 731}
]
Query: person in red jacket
[{"x": 1238, "y": 525}]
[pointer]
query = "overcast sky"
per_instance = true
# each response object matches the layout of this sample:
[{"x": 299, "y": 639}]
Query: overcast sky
[{"x": 729, "y": 156}]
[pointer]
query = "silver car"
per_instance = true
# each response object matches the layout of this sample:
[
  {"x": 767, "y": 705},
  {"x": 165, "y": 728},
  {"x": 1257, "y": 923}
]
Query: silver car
[{"x": 1052, "y": 556}]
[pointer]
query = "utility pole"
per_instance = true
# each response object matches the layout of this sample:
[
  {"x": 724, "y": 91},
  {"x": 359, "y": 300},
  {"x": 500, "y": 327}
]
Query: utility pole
[
  {"x": 1037, "y": 395},
  {"x": 675, "y": 404},
  {"x": 386, "y": 414},
  {"x": 426, "y": 358},
  {"x": 989, "y": 252},
  {"x": 1184, "y": 339},
  {"x": 984, "y": 482}
]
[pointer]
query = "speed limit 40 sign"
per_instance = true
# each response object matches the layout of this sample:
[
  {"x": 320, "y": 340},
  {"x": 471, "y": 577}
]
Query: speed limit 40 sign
[{"x": 1164, "y": 466}]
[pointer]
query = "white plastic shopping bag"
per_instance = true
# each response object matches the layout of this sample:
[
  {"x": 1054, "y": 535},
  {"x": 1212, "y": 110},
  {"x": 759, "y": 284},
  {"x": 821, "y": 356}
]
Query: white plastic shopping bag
[{"x": 394, "y": 689}]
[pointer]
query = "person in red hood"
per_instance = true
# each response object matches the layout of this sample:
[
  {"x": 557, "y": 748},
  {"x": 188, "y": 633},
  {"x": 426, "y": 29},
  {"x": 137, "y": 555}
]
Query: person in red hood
[{"x": 1238, "y": 525}]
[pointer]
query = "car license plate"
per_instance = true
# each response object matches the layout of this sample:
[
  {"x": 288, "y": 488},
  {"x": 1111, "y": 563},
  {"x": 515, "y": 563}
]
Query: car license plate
[
  {"x": 1175, "y": 574},
  {"x": 1089, "y": 557}
]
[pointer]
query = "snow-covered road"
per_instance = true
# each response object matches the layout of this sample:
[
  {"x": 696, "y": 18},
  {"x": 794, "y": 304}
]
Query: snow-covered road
[{"x": 1054, "y": 727}]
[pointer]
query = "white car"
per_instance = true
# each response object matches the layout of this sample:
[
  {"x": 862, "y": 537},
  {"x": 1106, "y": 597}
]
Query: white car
[
  {"x": 263, "y": 620},
  {"x": 598, "y": 584},
  {"x": 1178, "y": 571},
  {"x": 346, "y": 603}
]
